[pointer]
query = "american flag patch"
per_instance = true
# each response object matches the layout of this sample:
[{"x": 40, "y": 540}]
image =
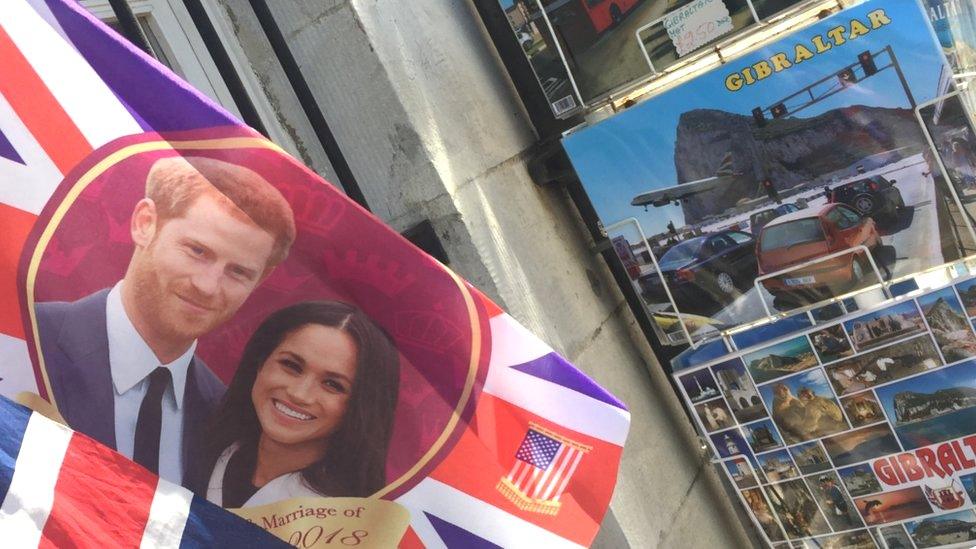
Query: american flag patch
[{"x": 544, "y": 463}]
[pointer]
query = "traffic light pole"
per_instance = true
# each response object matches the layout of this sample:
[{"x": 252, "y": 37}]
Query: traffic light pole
[
  {"x": 779, "y": 109},
  {"x": 901, "y": 77}
]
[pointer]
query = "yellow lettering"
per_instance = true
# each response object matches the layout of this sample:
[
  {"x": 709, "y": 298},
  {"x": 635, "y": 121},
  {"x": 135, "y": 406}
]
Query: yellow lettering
[
  {"x": 837, "y": 35},
  {"x": 733, "y": 82},
  {"x": 747, "y": 73},
  {"x": 801, "y": 53},
  {"x": 780, "y": 62},
  {"x": 762, "y": 69},
  {"x": 857, "y": 29},
  {"x": 818, "y": 41},
  {"x": 878, "y": 18}
]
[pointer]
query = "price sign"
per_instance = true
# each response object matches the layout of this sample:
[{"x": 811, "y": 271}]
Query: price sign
[{"x": 697, "y": 24}]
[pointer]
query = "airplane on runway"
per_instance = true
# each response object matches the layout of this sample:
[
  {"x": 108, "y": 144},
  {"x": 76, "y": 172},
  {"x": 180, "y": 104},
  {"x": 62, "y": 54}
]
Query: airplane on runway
[{"x": 662, "y": 197}]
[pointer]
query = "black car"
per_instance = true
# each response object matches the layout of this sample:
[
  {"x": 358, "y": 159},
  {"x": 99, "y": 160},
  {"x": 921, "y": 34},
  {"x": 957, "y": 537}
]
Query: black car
[
  {"x": 873, "y": 196},
  {"x": 759, "y": 219},
  {"x": 704, "y": 271}
]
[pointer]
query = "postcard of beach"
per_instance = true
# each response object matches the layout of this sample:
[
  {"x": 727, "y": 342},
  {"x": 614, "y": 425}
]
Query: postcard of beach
[
  {"x": 782, "y": 359},
  {"x": 861, "y": 445},
  {"x": 887, "y": 507}
]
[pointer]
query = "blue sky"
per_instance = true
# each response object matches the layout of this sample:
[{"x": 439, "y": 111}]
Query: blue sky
[
  {"x": 966, "y": 284},
  {"x": 961, "y": 375},
  {"x": 947, "y": 294},
  {"x": 633, "y": 152}
]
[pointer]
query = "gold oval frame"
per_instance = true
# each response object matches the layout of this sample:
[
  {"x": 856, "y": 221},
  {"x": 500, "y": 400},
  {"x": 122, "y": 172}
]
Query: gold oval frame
[{"x": 85, "y": 179}]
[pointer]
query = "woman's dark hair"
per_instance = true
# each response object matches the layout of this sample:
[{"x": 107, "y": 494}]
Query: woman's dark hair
[{"x": 356, "y": 461}]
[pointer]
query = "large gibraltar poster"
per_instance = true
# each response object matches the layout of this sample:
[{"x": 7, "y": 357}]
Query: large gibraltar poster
[{"x": 811, "y": 169}]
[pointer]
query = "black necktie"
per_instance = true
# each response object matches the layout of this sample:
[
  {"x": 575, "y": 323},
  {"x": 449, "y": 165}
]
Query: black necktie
[{"x": 151, "y": 421}]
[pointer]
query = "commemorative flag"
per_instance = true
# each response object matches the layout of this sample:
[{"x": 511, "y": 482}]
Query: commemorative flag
[{"x": 278, "y": 310}]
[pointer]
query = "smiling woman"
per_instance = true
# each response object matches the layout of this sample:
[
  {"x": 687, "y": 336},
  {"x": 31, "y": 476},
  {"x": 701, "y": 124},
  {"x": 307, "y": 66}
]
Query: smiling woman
[{"x": 309, "y": 411}]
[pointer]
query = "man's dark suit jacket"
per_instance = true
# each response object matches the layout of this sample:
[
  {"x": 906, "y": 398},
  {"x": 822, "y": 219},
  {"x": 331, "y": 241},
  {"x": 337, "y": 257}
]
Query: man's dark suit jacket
[{"x": 74, "y": 342}]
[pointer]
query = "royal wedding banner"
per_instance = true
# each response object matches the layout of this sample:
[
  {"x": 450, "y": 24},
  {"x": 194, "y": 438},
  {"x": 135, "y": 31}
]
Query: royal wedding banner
[{"x": 177, "y": 288}]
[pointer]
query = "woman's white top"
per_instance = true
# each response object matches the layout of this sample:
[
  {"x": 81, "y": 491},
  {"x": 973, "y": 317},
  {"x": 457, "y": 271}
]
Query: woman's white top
[{"x": 287, "y": 486}]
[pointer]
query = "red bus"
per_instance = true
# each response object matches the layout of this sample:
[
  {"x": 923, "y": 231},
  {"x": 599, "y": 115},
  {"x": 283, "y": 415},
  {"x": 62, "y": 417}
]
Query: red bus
[
  {"x": 604, "y": 14},
  {"x": 579, "y": 23}
]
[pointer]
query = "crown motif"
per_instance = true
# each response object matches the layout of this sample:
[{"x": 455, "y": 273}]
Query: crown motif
[
  {"x": 425, "y": 329},
  {"x": 287, "y": 278},
  {"x": 316, "y": 211},
  {"x": 62, "y": 259},
  {"x": 119, "y": 231},
  {"x": 373, "y": 270}
]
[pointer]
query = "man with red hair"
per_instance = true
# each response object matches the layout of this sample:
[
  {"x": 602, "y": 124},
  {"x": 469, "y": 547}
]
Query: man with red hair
[{"x": 121, "y": 361}]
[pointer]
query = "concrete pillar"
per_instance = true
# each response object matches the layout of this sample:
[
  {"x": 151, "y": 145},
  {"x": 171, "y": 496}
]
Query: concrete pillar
[{"x": 427, "y": 118}]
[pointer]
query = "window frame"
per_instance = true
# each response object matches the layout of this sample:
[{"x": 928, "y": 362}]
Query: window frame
[{"x": 182, "y": 44}]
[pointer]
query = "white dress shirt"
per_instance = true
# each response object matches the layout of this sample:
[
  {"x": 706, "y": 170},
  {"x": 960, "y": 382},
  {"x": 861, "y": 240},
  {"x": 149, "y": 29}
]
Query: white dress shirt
[
  {"x": 131, "y": 361},
  {"x": 287, "y": 486}
]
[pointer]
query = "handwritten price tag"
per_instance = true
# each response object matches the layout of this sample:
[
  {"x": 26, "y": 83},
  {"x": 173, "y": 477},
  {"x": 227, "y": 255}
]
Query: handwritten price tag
[
  {"x": 697, "y": 24},
  {"x": 324, "y": 523}
]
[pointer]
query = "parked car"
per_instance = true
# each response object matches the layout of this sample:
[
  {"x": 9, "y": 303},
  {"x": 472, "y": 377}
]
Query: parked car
[
  {"x": 806, "y": 235},
  {"x": 740, "y": 225},
  {"x": 873, "y": 196},
  {"x": 759, "y": 219},
  {"x": 704, "y": 271}
]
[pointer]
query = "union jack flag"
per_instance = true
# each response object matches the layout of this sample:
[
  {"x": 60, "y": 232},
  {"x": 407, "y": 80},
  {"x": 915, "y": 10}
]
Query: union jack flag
[
  {"x": 71, "y": 87},
  {"x": 59, "y": 488}
]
